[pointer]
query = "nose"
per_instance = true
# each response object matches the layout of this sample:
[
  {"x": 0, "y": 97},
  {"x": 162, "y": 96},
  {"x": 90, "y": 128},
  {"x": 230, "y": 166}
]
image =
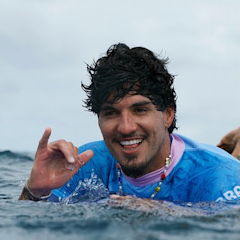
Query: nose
[{"x": 126, "y": 124}]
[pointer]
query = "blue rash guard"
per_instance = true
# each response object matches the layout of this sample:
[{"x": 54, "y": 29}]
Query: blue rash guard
[{"x": 197, "y": 172}]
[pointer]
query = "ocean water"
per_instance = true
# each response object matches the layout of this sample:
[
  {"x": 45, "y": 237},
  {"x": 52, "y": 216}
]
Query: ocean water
[{"x": 105, "y": 219}]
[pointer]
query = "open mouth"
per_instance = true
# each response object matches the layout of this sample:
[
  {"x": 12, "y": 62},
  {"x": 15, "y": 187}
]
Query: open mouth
[{"x": 131, "y": 143}]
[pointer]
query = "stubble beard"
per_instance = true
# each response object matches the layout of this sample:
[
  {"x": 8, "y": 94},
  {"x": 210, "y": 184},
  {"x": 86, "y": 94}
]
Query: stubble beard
[{"x": 136, "y": 170}]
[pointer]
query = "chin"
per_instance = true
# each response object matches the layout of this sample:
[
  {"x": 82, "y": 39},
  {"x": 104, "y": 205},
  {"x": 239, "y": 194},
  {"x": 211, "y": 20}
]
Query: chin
[{"x": 134, "y": 171}]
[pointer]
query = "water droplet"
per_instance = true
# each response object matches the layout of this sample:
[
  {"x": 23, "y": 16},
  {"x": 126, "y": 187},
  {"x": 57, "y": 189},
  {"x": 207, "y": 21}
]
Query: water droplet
[{"x": 90, "y": 189}]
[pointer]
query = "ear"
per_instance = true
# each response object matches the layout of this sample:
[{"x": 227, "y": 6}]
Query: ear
[{"x": 169, "y": 116}]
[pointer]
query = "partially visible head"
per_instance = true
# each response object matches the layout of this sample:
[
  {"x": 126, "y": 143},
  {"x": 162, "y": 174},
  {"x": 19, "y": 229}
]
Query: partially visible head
[{"x": 125, "y": 71}]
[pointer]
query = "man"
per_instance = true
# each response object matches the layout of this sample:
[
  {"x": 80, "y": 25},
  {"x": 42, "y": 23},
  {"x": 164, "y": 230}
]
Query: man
[
  {"x": 231, "y": 143},
  {"x": 133, "y": 96}
]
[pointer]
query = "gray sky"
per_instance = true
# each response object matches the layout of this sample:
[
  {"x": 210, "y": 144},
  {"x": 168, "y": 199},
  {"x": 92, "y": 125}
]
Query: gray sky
[{"x": 44, "y": 46}]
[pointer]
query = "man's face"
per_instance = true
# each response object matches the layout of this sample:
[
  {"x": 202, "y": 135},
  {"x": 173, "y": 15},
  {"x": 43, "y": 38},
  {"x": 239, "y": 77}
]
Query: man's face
[{"x": 136, "y": 133}]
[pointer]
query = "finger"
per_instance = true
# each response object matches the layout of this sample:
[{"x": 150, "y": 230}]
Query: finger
[
  {"x": 236, "y": 137},
  {"x": 70, "y": 153},
  {"x": 236, "y": 151},
  {"x": 67, "y": 149},
  {"x": 45, "y": 137},
  {"x": 84, "y": 157},
  {"x": 114, "y": 196}
]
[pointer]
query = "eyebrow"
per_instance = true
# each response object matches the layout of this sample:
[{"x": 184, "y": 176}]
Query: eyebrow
[
  {"x": 107, "y": 108},
  {"x": 143, "y": 103},
  {"x": 110, "y": 106}
]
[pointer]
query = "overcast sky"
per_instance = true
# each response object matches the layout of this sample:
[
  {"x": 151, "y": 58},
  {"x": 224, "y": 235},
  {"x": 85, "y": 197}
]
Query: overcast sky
[{"x": 44, "y": 46}]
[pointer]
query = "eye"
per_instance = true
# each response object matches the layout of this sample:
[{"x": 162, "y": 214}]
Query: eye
[
  {"x": 109, "y": 113},
  {"x": 140, "y": 110}
]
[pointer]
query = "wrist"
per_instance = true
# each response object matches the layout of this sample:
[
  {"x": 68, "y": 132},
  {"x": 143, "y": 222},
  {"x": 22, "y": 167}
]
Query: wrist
[{"x": 37, "y": 195}]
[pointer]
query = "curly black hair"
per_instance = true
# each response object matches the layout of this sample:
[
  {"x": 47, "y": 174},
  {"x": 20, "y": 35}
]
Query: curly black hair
[{"x": 130, "y": 71}]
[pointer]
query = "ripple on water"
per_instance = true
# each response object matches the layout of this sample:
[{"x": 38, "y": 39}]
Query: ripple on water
[{"x": 89, "y": 213}]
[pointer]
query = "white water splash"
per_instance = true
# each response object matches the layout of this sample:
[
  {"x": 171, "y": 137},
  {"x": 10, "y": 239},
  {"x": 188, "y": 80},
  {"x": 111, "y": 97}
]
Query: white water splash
[{"x": 89, "y": 190}]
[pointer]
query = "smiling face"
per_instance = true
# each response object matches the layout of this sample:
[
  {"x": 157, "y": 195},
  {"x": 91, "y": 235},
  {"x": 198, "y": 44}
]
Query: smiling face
[{"x": 136, "y": 133}]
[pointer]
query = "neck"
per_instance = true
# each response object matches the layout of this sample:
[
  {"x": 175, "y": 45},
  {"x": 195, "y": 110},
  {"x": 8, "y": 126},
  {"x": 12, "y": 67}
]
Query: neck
[{"x": 160, "y": 159}]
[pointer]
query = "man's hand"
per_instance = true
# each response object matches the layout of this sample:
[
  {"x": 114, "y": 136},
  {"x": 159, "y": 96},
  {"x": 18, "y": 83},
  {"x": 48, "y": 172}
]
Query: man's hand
[
  {"x": 231, "y": 143},
  {"x": 54, "y": 165}
]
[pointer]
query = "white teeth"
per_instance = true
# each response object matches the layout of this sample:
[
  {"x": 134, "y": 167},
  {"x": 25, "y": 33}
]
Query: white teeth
[{"x": 131, "y": 142}]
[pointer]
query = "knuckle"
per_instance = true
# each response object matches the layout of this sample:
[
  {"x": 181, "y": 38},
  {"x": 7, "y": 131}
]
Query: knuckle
[
  {"x": 76, "y": 149},
  {"x": 70, "y": 144},
  {"x": 61, "y": 141}
]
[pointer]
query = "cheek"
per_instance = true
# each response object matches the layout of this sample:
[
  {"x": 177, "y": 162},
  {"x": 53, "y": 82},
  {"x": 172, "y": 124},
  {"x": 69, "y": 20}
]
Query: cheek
[
  {"x": 106, "y": 128},
  {"x": 158, "y": 128},
  {"x": 156, "y": 134}
]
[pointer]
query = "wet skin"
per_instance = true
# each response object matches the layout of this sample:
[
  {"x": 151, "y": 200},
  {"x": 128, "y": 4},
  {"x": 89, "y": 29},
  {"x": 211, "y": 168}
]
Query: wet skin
[{"x": 136, "y": 133}]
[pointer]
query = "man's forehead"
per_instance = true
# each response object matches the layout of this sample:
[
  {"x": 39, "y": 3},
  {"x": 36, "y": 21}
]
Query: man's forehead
[{"x": 129, "y": 99}]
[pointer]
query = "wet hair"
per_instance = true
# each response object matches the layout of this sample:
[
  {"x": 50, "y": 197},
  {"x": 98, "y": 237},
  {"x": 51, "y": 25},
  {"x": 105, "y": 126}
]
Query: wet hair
[{"x": 125, "y": 71}]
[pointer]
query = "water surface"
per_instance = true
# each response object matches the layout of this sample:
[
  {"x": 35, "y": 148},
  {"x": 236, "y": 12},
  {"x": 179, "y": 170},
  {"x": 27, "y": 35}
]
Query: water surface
[{"x": 105, "y": 219}]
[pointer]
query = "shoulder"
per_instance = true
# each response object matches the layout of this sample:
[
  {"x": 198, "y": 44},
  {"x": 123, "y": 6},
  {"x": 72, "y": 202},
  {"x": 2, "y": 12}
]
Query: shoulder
[
  {"x": 197, "y": 149},
  {"x": 210, "y": 171},
  {"x": 200, "y": 157}
]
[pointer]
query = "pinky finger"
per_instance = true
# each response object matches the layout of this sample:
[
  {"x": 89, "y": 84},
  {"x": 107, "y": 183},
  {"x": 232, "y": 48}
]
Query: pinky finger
[{"x": 84, "y": 157}]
